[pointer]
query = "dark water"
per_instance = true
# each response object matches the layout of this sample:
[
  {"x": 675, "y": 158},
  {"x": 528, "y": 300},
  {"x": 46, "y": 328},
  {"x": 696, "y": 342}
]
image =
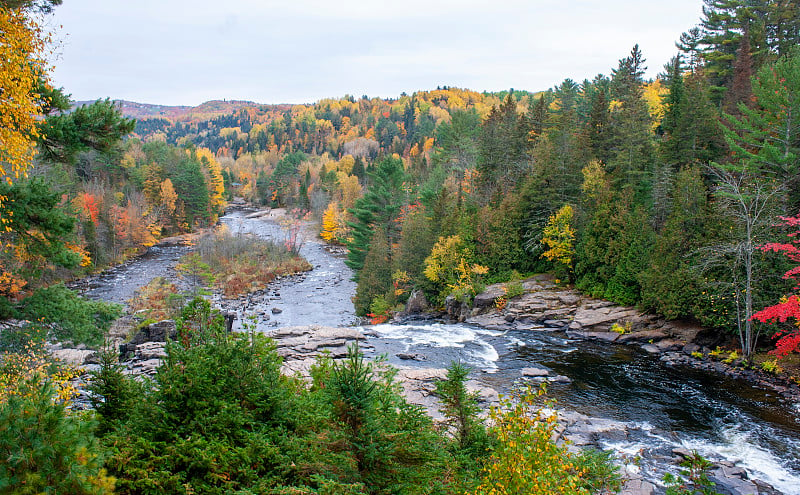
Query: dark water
[{"x": 665, "y": 407}]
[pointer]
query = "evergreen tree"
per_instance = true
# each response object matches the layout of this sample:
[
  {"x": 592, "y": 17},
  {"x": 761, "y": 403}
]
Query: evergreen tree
[
  {"x": 416, "y": 240},
  {"x": 631, "y": 159},
  {"x": 502, "y": 146},
  {"x": 671, "y": 281},
  {"x": 741, "y": 89},
  {"x": 378, "y": 207},
  {"x": 598, "y": 126},
  {"x": 690, "y": 125},
  {"x": 375, "y": 277},
  {"x": 99, "y": 126}
]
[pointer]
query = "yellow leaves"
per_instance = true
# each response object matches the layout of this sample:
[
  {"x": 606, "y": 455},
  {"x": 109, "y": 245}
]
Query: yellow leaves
[
  {"x": 86, "y": 260},
  {"x": 653, "y": 94},
  {"x": 346, "y": 164},
  {"x": 334, "y": 225},
  {"x": 448, "y": 265},
  {"x": 594, "y": 179},
  {"x": 169, "y": 197},
  {"x": 559, "y": 237},
  {"x": 21, "y": 62},
  {"x": 21, "y": 372}
]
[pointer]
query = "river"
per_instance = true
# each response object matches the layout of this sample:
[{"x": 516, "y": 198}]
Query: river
[{"x": 664, "y": 407}]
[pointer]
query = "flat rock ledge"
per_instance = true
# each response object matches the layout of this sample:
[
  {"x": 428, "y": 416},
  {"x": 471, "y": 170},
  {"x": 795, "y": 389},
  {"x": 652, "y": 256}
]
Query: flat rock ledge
[{"x": 545, "y": 306}]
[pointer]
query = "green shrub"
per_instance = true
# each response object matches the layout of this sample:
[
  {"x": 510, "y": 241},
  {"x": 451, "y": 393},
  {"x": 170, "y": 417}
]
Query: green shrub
[
  {"x": 693, "y": 478},
  {"x": 771, "y": 367},
  {"x": 393, "y": 443},
  {"x": 216, "y": 421},
  {"x": 71, "y": 316},
  {"x": 45, "y": 448},
  {"x": 514, "y": 289}
]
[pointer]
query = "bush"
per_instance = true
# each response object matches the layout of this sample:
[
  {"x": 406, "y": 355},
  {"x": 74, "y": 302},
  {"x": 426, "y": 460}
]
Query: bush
[
  {"x": 71, "y": 316},
  {"x": 393, "y": 443},
  {"x": 218, "y": 420},
  {"x": 527, "y": 460},
  {"x": 45, "y": 448},
  {"x": 514, "y": 289},
  {"x": 693, "y": 478}
]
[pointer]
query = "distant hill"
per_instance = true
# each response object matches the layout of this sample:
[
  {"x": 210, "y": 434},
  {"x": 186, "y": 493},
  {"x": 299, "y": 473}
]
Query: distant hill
[{"x": 209, "y": 109}]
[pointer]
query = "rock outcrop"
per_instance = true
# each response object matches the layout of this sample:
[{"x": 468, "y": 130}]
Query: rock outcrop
[
  {"x": 157, "y": 332},
  {"x": 547, "y": 306}
]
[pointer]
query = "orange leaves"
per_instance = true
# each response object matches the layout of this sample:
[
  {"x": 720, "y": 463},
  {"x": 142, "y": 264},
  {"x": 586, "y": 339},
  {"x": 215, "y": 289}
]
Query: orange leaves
[
  {"x": 90, "y": 206},
  {"x": 11, "y": 285}
]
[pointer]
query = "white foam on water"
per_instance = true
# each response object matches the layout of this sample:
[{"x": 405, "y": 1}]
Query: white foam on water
[
  {"x": 436, "y": 334},
  {"x": 488, "y": 354},
  {"x": 738, "y": 447},
  {"x": 445, "y": 336}
]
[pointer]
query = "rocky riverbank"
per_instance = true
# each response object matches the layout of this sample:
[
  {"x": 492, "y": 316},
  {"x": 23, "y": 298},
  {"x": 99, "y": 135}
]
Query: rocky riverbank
[{"x": 546, "y": 306}]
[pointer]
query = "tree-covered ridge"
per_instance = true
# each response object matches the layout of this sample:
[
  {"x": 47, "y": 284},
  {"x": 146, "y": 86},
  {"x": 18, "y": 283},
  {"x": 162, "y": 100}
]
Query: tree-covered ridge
[{"x": 326, "y": 126}]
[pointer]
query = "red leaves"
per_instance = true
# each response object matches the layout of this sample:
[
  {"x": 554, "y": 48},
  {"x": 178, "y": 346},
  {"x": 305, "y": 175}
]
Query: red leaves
[
  {"x": 789, "y": 307},
  {"x": 786, "y": 345},
  {"x": 90, "y": 206},
  {"x": 780, "y": 312}
]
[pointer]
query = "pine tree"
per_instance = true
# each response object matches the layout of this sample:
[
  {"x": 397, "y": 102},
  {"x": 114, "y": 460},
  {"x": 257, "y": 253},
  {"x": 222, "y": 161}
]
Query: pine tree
[
  {"x": 378, "y": 207},
  {"x": 631, "y": 160},
  {"x": 502, "y": 146}
]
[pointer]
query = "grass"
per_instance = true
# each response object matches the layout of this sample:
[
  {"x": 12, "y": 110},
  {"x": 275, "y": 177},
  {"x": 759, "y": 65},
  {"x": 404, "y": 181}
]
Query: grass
[
  {"x": 245, "y": 263},
  {"x": 159, "y": 298}
]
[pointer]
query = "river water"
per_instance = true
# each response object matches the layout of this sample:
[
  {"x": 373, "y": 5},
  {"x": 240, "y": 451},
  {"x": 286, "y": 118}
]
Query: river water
[{"x": 663, "y": 407}]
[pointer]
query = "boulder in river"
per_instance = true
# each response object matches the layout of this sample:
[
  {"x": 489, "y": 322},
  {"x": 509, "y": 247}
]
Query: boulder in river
[{"x": 417, "y": 303}]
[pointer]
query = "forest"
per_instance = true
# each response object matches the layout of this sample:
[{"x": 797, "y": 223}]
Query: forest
[
  {"x": 679, "y": 195},
  {"x": 664, "y": 194}
]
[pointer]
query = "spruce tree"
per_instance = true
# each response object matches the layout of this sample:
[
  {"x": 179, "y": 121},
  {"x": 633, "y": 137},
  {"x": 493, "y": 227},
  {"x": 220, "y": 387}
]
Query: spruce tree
[
  {"x": 378, "y": 207},
  {"x": 375, "y": 277},
  {"x": 670, "y": 284},
  {"x": 631, "y": 160}
]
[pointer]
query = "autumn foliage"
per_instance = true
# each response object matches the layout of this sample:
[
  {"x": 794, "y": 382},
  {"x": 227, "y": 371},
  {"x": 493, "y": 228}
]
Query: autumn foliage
[{"x": 788, "y": 309}]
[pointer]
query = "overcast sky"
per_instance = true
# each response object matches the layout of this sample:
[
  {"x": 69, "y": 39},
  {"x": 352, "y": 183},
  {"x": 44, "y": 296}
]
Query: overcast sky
[{"x": 299, "y": 51}]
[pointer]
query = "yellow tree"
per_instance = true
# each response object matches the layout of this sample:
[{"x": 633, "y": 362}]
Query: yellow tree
[
  {"x": 22, "y": 43},
  {"x": 213, "y": 175},
  {"x": 169, "y": 200},
  {"x": 558, "y": 238},
  {"x": 334, "y": 225}
]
